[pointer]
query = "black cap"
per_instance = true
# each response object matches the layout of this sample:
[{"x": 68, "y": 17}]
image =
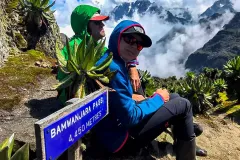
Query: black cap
[{"x": 147, "y": 42}]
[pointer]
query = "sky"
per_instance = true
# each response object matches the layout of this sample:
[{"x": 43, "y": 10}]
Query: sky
[{"x": 161, "y": 60}]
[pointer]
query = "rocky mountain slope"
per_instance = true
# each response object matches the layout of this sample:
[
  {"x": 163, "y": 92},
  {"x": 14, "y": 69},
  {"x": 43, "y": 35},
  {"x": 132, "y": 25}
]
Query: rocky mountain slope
[
  {"x": 14, "y": 37},
  {"x": 222, "y": 47},
  {"x": 172, "y": 15},
  {"x": 220, "y": 7}
]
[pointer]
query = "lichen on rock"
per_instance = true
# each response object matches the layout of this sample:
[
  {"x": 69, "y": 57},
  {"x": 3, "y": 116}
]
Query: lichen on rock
[
  {"x": 48, "y": 42},
  {"x": 4, "y": 49},
  {"x": 19, "y": 40}
]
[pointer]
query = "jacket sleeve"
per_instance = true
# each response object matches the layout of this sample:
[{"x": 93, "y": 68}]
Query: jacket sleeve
[
  {"x": 133, "y": 63},
  {"x": 125, "y": 108}
]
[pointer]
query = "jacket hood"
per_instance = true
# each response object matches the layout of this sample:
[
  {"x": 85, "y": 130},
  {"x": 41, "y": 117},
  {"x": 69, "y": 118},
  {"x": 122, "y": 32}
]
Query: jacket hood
[
  {"x": 114, "y": 39},
  {"x": 80, "y": 18}
]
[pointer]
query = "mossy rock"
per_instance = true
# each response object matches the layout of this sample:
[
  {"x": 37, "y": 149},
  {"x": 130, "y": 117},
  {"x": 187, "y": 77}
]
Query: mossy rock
[
  {"x": 19, "y": 40},
  {"x": 165, "y": 137},
  {"x": 13, "y": 51}
]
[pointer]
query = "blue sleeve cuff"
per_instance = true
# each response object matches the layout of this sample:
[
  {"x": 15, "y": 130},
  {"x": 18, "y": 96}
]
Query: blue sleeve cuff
[{"x": 133, "y": 62}]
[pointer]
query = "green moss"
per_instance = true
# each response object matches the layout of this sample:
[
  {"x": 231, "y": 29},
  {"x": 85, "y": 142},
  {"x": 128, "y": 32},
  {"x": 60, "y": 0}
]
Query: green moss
[
  {"x": 18, "y": 75},
  {"x": 9, "y": 102},
  {"x": 20, "y": 40},
  {"x": 36, "y": 54},
  {"x": 13, "y": 51}
]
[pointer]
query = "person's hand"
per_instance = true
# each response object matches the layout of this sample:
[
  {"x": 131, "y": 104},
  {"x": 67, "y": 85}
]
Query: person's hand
[
  {"x": 164, "y": 93},
  {"x": 134, "y": 77},
  {"x": 138, "y": 97}
]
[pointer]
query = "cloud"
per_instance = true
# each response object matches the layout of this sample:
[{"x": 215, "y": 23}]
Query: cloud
[
  {"x": 236, "y": 5},
  {"x": 62, "y": 14},
  {"x": 199, "y": 6},
  {"x": 67, "y": 30},
  {"x": 168, "y": 61}
]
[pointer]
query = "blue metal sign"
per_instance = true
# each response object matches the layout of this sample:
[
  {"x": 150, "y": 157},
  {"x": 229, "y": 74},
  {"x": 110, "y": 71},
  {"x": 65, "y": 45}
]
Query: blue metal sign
[{"x": 63, "y": 133}]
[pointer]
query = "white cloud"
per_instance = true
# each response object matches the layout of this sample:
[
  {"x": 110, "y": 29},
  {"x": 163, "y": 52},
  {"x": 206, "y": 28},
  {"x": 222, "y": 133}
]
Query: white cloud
[
  {"x": 167, "y": 62},
  {"x": 62, "y": 14},
  {"x": 67, "y": 30},
  {"x": 197, "y": 6},
  {"x": 236, "y": 5}
]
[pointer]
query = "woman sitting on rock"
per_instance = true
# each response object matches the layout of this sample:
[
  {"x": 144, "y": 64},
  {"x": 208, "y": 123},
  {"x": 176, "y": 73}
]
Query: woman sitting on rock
[{"x": 131, "y": 125}]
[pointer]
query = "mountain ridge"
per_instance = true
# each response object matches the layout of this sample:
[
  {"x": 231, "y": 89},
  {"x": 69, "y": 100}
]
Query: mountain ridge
[
  {"x": 222, "y": 47},
  {"x": 142, "y": 7}
]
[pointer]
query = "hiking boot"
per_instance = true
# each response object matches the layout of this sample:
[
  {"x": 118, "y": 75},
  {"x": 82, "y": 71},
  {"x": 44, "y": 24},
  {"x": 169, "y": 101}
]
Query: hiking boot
[
  {"x": 201, "y": 152},
  {"x": 186, "y": 150}
]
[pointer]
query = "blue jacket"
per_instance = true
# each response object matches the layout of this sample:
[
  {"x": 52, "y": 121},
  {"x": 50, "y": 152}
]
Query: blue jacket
[{"x": 124, "y": 112}]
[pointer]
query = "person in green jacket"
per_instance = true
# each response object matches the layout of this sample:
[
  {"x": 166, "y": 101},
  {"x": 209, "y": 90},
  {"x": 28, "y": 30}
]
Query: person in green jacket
[{"x": 86, "y": 20}]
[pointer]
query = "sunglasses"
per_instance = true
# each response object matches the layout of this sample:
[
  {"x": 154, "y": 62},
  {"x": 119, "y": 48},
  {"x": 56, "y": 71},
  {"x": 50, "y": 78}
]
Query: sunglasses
[
  {"x": 98, "y": 23},
  {"x": 131, "y": 40}
]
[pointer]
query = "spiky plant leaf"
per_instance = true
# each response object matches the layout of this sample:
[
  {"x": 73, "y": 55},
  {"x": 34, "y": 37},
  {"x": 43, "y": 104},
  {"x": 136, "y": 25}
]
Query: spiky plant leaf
[
  {"x": 22, "y": 3},
  {"x": 81, "y": 52},
  {"x": 60, "y": 57},
  {"x": 37, "y": 14},
  {"x": 94, "y": 75},
  {"x": 49, "y": 17},
  {"x": 22, "y": 153},
  {"x": 109, "y": 74},
  {"x": 92, "y": 59},
  {"x": 66, "y": 82},
  {"x": 4, "y": 153},
  {"x": 232, "y": 68},
  {"x": 63, "y": 69},
  {"x": 220, "y": 85},
  {"x": 69, "y": 50},
  {"x": 199, "y": 90},
  {"x": 44, "y": 3},
  {"x": 99, "y": 50},
  {"x": 79, "y": 89},
  {"x": 81, "y": 60},
  {"x": 104, "y": 79},
  {"x": 37, "y": 3},
  {"x": 47, "y": 8},
  {"x": 7, "y": 146},
  {"x": 104, "y": 64},
  {"x": 89, "y": 54},
  {"x": 75, "y": 48}
]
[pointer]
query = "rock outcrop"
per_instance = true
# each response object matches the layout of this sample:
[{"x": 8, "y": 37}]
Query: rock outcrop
[
  {"x": 14, "y": 37},
  {"x": 4, "y": 47}
]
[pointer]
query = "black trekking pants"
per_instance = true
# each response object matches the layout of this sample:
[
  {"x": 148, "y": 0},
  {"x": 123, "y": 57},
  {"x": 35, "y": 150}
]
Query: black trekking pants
[{"x": 176, "y": 112}]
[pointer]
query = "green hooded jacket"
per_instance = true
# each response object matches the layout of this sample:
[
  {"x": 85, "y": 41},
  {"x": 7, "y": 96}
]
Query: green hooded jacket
[{"x": 79, "y": 22}]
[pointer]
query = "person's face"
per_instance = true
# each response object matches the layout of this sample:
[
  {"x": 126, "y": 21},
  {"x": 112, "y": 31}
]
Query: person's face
[
  {"x": 130, "y": 47},
  {"x": 96, "y": 29}
]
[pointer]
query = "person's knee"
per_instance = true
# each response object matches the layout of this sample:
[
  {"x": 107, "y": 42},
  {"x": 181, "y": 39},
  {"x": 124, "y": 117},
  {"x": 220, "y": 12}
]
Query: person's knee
[{"x": 186, "y": 104}]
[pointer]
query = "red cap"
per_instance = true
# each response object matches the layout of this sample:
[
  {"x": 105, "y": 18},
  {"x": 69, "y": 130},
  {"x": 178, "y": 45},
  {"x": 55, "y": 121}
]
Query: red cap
[{"x": 98, "y": 17}]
